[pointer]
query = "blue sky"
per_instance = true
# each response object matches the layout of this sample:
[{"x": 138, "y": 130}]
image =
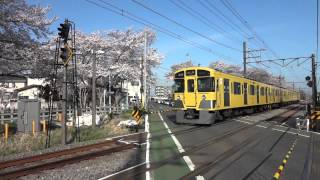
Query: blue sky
[{"x": 287, "y": 26}]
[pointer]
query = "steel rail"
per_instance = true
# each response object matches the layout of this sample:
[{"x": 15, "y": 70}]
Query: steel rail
[
  {"x": 210, "y": 141},
  {"x": 59, "y": 163},
  {"x": 55, "y": 154},
  {"x": 251, "y": 141}
]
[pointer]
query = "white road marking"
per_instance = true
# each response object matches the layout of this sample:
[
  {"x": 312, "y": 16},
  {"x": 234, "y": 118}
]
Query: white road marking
[
  {"x": 243, "y": 121},
  {"x": 314, "y": 132},
  {"x": 110, "y": 138},
  {"x": 261, "y": 126},
  {"x": 283, "y": 123},
  {"x": 290, "y": 132},
  {"x": 132, "y": 142},
  {"x": 180, "y": 148},
  {"x": 147, "y": 130},
  {"x": 119, "y": 172},
  {"x": 275, "y": 129}
]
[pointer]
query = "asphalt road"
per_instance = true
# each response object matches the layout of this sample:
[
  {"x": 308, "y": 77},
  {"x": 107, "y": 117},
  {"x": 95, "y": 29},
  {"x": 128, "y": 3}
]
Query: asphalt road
[{"x": 266, "y": 147}]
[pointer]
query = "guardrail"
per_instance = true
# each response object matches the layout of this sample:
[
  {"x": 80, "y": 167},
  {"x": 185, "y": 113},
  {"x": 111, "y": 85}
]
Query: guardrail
[{"x": 44, "y": 113}]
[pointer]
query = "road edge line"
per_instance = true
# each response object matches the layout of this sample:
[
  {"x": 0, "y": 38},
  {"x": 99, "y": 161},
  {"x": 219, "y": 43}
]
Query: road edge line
[
  {"x": 187, "y": 159},
  {"x": 147, "y": 130},
  {"x": 108, "y": 176}
]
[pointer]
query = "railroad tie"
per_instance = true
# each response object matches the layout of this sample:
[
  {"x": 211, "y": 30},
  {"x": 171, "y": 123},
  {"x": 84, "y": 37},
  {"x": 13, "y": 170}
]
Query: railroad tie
[{"x": 280, "y": 169}]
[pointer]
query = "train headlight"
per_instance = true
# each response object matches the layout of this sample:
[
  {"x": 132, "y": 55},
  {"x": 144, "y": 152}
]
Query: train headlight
[
  {"x": 203, "y": 97},
  {"x": 178, "y": 98}
]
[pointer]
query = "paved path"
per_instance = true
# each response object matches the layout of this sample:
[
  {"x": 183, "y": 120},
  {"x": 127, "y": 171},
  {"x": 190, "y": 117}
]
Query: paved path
[{"x": 260, "y": 161}]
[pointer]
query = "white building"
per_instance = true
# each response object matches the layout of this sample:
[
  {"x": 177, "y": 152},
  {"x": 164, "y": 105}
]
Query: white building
[
  {"x": 14, "y": 87},
  {"x": 162, "y": 92},
  {"x": 133, "y": 89}
]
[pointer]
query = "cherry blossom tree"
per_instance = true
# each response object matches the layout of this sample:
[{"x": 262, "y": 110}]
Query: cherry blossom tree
[
  {"x": 22, "y": 28},
  {"x": 118, "y": 56}
]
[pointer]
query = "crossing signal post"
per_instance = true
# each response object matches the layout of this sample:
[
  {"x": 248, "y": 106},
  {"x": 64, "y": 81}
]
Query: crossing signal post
[
  {"x": 65, "y": 55},
  {"x": 64, "y": 31}
]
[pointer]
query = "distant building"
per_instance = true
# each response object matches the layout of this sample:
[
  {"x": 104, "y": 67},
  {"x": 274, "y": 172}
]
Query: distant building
[
  {"x": 163, "y": 92},
  {"x": 15, "y": 87},
  {"x": 132, "y": 89}
]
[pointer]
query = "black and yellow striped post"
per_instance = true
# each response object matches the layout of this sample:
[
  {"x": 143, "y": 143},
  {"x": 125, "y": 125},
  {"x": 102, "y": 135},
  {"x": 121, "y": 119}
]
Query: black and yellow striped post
[{"x": 137, "y": 114}]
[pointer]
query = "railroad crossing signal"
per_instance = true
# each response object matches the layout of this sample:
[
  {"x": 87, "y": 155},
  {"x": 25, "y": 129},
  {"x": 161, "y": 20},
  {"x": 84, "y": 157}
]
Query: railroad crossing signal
[
  {"x": 309, "y": 81},
  {"x": 137, "y": 114},
  {"x": 64, "y": 31},
  {"x": 66, "y": 54}
]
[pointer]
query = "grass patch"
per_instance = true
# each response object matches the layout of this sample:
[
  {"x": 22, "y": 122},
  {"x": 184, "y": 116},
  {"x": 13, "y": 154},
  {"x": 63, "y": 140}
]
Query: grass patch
[
  {"x": 26, "y": 142},
  {"x": 126, "y": 115}
]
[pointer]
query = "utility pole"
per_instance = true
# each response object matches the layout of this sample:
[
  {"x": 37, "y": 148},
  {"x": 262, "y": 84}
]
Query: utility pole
[
  {"x": 293, "y": 85},
  {"x": 64, "y": 106},
  {"x": 145, "y": 100},
  {"x": 314, "y": 81},
  {"x": 244, "y": 59},
  {"x": 109, "y": 99},
  {"x": 94, "y": 91}
]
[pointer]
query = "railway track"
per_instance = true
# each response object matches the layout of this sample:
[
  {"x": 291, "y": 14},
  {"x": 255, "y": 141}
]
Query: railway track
[
  {"x": 247, "y": 144},
  {"x": 212, "y": 140},
  {"x": 13, "y": 169}
]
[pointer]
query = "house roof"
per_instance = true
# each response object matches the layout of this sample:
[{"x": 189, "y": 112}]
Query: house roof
[{"x": 10, "y": 78}]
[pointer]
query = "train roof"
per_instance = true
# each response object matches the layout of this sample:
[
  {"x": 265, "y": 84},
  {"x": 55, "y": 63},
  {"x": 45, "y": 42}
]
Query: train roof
[{"x": 211, "y": 69}]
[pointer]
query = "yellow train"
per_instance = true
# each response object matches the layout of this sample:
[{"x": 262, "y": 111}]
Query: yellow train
[{"x": 203, "y": 95}]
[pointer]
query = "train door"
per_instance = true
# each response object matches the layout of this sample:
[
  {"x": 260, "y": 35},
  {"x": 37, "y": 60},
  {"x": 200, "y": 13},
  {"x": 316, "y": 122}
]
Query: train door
[
  {"x": 245, "y": 93},
  {"x": 257, "y": 94},
  {"x": 266, "y": 93},
  {"x": 226, "y": 92},
  {"x": 190, "y": 94}
]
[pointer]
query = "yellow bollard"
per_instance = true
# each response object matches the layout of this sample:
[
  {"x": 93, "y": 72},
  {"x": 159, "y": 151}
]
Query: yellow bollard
[
  {"x": 59, "y": 117},
  {"x": 33, "y": 128},
  {"x": 6, "y": 131},
  {"x": 44, "y": 126}
]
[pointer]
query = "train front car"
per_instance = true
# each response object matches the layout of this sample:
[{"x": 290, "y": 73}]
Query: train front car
[{"x": 194, "y": 95}]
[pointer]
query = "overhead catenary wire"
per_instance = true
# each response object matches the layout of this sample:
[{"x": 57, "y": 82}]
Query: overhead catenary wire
[
  {"x": 186, "y": 27},
  {"x": 229, "y": 6},
  {"x": 195, "y": 14},
  {"x": 215, "y": 11},
  {"x": 116, "y": 10}
]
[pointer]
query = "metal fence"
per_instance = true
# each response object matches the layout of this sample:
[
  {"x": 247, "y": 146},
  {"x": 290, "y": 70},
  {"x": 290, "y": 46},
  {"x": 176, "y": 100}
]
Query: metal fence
[{"x": 12, "y": 115}]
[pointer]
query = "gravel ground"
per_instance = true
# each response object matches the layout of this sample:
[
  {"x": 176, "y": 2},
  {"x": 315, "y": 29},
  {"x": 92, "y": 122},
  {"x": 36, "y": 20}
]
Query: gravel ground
[
  {"x": 94, "y": 168},
  {"x": 51, "y": 149}
]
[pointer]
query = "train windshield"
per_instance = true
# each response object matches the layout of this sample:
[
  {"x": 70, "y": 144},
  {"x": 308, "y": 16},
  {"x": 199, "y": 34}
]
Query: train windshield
[
  {"x": 179, "y": 85},
  {"x": 206, "y": 84}
]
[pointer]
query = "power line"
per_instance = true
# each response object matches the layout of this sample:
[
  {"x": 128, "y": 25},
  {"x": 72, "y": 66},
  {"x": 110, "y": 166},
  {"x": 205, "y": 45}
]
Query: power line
[
  {"x": 139, "y": 20},
  {"x": 185, "y": 27},
  {"x": 194, "y": 15},
  {"x": 229, "y": 6},
  {"x": 183, "y": 6},
  {"x": 212, "y": 8}
]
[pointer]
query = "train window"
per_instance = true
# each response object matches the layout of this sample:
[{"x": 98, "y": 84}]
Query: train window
[
  {"x": 179, "y": 74},
  {"x": 236, "y": 88},
  {"x": 179, "y": 85},
  {"x": 262, "y": 91},
  {"x": 190, "y": 72},
  {"x": 206, "y": 84},
  {"x": 190, "y": 85},
  {"x": 203, "y": 73},
  {"x": 251, "y": 89}
]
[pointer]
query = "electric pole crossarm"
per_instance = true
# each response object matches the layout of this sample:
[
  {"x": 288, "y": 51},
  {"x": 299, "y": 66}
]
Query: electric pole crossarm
[
  {"x": 283, "y": 59},
  {"x": 256, "y": 50}
]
